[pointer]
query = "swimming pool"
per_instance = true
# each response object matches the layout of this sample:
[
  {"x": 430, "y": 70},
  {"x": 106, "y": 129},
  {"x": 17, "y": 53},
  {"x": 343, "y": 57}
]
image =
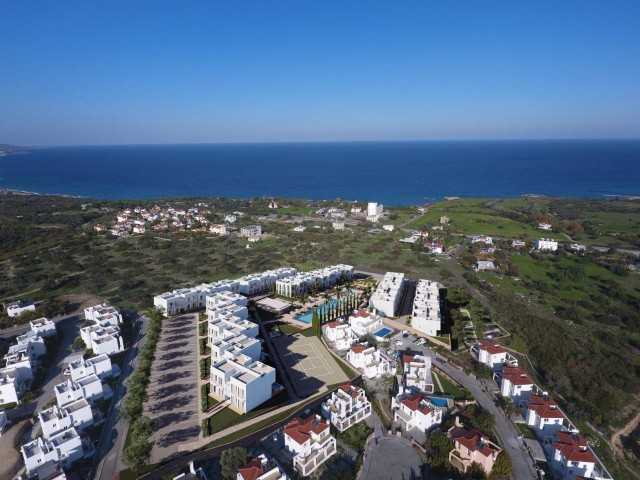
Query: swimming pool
[
  {"x": 383, "y": 332},
  {"x": 306, "y": 317},
  {"x": 439, "y": 402}
]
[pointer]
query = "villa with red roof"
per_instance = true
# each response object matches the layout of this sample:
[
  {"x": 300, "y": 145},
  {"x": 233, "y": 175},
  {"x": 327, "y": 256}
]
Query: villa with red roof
[
  {"x": 339, "y": 335},
  {"x": 363, "y": 321},
  {"x": 471, "y": 446},
  {"x": 368, "y": 360},
  {"x": 261, "y": 468},
  {"x": 311, "y": 442},
  {"x": 514, "y": 383},
  {"x": 543, "y": 415},
  {"x": 571, "y": 457},
  {"x": 493, "y": 355},
  {"x": 414, "y": 410},
  {"x": 347, "y": 406}
]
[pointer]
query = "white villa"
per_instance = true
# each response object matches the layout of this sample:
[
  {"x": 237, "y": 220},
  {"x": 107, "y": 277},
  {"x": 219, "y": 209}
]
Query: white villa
[
  {"x": 369, "y": 360},
  {"x": 347, "y": 406},
  {"x": 261, "y": 468},
  {"x": 363, "y": 321},
  {"x": 426, "y": 316},
  {"x": 311, "y": 442},
  {"x": 514, "y": 383},
  {"x": 416, "y": 373},
  {"x": 102, "y": 339},
  {"x": 43, "y": 327},
  {"x": 493, "y": 355},
  {"x": 218, "y": 229},
  {"x": 339, "y": 334},
  {"x": 76, "y": 415},
  {"x": 100, "y": 366},
  {"x": 89, "y": 388},
  {"x": 12, "y": 386},
  {"x": 571, "y": 458},
  {"x": 243, "y": 382},
  {"x": 104, "y": 315},
  {"x": 414, "y": 410},
  {"x": 16, "y": 308},
  {"x": 482, "y": 239},
  {"x": 301, "y": 281},
  {"x": 546, "y": 244},
  {"x": 63, "y": 449},
  {"x": 543, "y": 415},
  {"x": 388, "y": 294}
]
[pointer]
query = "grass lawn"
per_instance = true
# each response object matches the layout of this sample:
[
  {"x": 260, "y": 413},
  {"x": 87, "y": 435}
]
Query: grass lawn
[
  {"x": 307, "y": 332},
  {"x": 227, "y": 417},
  {"x": 525, "y": 430},
  {"x": 447, "y": 386},
  {"x": 287, "y": 329}
]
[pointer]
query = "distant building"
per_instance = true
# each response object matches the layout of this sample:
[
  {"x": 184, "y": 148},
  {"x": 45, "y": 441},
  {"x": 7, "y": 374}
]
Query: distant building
[
  {"x": 374, "y": 211},
  {"x": 485, "y": 265},
  {"x": 299, "y": 228},
  {"x": 518, "y": 244},
  {"x": 576, "y": 247},
  {"x": 251, "y": 231},
  {"x": 434, "y": 247},
  {"x": 543, "y": 415},
  {"x": 338, "y": 226},
  {"x": 482, "y": 239},
  {"x": 444, "y": 219},
  {"x": 16, "y": 308},
  {"x": 546, "y": 244},
  {"x": 544, "y": 226},
  {"x": 388, "y": 228}
]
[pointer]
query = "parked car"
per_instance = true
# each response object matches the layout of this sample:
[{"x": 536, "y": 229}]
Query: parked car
[
  {"x": 420, "y": 341},
  {"x": 398, "y": 343},
  {"x": 390, "y": 351},
  {"x": 405, "y": 333},
  {"x": 441, "y": 360}
]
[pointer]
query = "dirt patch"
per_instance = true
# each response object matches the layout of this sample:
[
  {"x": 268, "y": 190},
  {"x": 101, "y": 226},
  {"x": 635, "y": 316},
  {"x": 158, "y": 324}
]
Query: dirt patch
[
  {"x": 617, "y": 442},
  {"x": 80, "y": 301},
  {"x": 11, "y": 463}
]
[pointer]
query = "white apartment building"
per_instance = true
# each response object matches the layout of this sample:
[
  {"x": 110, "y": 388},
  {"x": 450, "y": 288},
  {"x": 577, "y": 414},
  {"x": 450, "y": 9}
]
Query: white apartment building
[
  {"x": 374, "y": 211},
  {"x": 227, "y": 326},
  {"x": 369, "y": 360},
  {"x": 99, "y": 366},
  {"x": 261, "y": 282},
  {"x": 103, "y": 314},
  {"x": 363, "y": 321},
  {"x": 187, "y": 299},
  {"x": 261, "y": 468},
  {"x": 311, "y": 442},
  {"x": 416, "y": 373},
  {"x": 90, "y": 388},
  {"x": 388, "y": 294},
  {"x": 76, "y": 415},
  {"x": 63, "y": 448},
  {"x": 102, "y": 340},
  {"x": 339, "y": 334},
  {"x": 236, "y": 345},
  {"x": 251, "y": 231},
  {"x": 543, "y": 415},
  {"x": 514, "y": 383},
  {"x": 414, "y": 410},
  {"x": 426, "y": 316},
  {"x": 493, "y": 355},
  {"x": 16, "y": 308},
  {"x": 43, "y": 327},
  {"x": 347, "y": 406},
  {"x": 546, "y": 244},
  {"x": 245, "y": 383},
  {"x": 11, "y": 386},
  {"x": 301, "y": 281},
  {"x": 223, "y": 304}
]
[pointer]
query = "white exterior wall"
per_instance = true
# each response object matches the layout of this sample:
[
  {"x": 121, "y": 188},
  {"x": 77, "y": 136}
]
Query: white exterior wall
[
  {"x": 99, "y": 366},
  {"x": 363, "y": 325},
  {"x": 43, "y": 327},
  {"x": 370, "y": 361},
  {"x": 426, "y": 316},
  {"x": 388, "y": 294},
  {"x": 244, "y": 383},
  {"x": 103, "y": 314},
  {"x": 11, "y": 386},
  {"x": 236, "y": 345},
  {"x": 546, "y": 244},
  {"x": 55, "y": 420},
  {"x": 14, "y": 311},
  {"x": 341, "y": 336}
]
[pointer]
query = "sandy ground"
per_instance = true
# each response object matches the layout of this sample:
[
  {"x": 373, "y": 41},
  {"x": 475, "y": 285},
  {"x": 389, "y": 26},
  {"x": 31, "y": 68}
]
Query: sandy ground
[{"x": 11, "y": 460}]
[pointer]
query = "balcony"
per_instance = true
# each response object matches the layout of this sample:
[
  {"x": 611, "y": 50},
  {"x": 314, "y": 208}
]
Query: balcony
[
  {"x": 309, "y": 464},
  {"x": 461, "y": 464}
]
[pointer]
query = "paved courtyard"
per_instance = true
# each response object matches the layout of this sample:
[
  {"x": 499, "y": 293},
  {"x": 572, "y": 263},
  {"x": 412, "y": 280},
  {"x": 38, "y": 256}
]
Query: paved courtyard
[
  {"x": 173, "y": 388},
  {"x": 309, "y": 364},
  {"x": 391, "y": 458}
]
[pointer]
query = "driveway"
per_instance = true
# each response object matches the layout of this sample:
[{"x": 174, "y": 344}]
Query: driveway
[
  {"x": 173, "y": 388},
  {"x": 390, "y": 457}
]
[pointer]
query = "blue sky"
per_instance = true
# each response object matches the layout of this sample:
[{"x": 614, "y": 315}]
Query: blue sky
[{"x": 201, "y": 71}]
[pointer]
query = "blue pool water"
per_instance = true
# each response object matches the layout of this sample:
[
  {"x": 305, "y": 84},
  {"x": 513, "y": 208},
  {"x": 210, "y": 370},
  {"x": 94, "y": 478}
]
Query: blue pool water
[
  {"x": 439, "y": 402},
  {"x": 306, "y": 317},
  {"x": 383, "y": 332}
]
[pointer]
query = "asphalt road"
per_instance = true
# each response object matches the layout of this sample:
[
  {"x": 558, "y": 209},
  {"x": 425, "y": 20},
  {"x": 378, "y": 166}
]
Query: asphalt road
[
  {"x": 20, "y": 329},
  {"x": 106, "y": 461}
]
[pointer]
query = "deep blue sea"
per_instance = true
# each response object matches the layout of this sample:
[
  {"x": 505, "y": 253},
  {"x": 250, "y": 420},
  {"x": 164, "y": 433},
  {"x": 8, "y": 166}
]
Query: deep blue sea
[{"x": 394, "y": 173}]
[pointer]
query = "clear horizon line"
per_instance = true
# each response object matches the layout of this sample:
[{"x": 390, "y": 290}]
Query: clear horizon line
[{"x": 443, "y": 140}]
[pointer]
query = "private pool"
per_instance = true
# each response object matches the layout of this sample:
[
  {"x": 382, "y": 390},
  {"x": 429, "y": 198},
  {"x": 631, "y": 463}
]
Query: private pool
[
  {"x": 439, "y": 402},
  {"x": 382, "y": 333}
]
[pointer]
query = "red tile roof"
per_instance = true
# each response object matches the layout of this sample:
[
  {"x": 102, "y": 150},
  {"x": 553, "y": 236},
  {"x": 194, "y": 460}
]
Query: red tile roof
[
  {"x": 417, "y": 403},
  {"x": 352, "y": 390},
  {"x": 252, "y": 470},
  {"x": 332, "y": 324},
  {"x": 544, "y": 406},
  {"x": 491, "y": 347},
  {"x": 300, "y": 430},
  {"x": 363, "y": 313},
  {"x": 474, "y": 441},
  {"x": 358, "y": 348},
  {"x": 516, "y": 376},
  {"x": 573, "y": 447}
]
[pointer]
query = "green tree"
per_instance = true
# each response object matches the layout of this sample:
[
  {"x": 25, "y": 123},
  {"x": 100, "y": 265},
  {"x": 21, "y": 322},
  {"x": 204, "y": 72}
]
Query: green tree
[
  {"x": 502, "y": 465},
  {"x": 475, "y": 472},
  {"x": 137, "y": 453},
  {"x": 315, "y": 323},
  {"x": 231, "y": 460}
]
